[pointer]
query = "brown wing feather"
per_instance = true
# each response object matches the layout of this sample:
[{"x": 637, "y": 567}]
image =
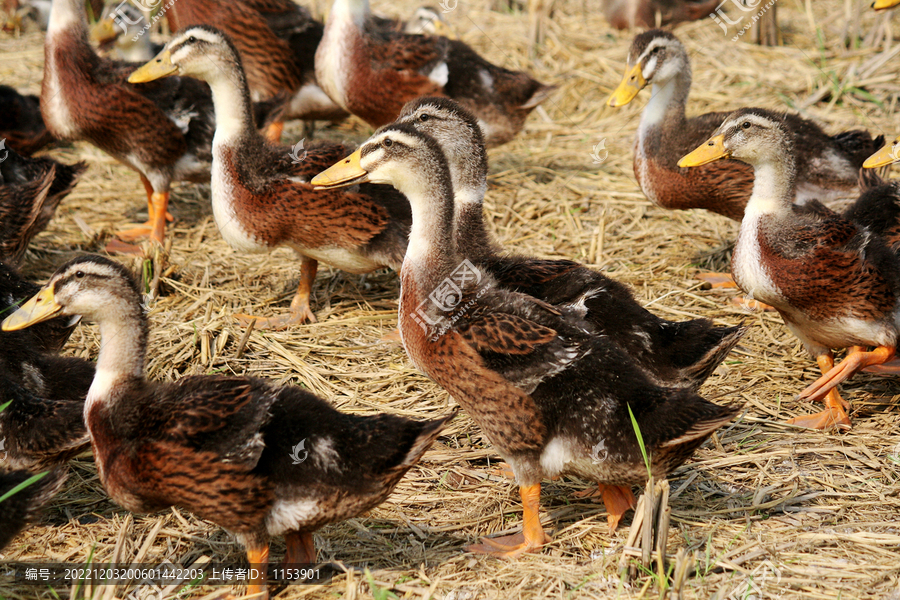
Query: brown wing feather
[{"x": 505, "y": 334}]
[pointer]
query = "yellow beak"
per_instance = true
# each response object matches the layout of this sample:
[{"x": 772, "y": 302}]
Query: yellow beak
[
  {"x": 159, "y": 67},
  {"x": 39, "y": 308},
  {"x": 632, "y": 83},
  {"x": 104, "y": 31},
  {"x": 889, "y": 153},
  {"x": 346, "y": 172},
  {"x": 884, "y": 4},
  {"x": 714, "y": 149}
]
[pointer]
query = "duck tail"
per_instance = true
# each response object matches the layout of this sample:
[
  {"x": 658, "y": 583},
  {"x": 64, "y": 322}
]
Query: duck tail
[
  {"x": 716, "y": 416},
  {"x": 23, "y": 506},
  {"x": 719, "y": 342},
  {"x": 539, "y": 95},
  {"x": 428, "y": 432}
]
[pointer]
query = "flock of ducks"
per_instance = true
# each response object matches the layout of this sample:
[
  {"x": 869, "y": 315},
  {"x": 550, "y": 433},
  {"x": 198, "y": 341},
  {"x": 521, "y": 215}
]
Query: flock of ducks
[{"x": 557, "y": 363}]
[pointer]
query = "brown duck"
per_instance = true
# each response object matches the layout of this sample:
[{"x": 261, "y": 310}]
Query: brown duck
[
  {"x": 835, "y": 284},
  {"x": 257, "y": 458},
  {"x": 551, "y": 396},
  {"x": 261, "y": 195}
]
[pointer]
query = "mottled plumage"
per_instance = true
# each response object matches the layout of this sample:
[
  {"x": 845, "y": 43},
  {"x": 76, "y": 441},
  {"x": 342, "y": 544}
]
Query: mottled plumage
[
  {"x": 225, "y": 448},
  {"x": 261, "y": 194},
  {"x": 373, "y": 72},
  {"x": 25, "y": 505},
  {"x": 30, "y": 191},
  {"x": 674, "y": 353}
]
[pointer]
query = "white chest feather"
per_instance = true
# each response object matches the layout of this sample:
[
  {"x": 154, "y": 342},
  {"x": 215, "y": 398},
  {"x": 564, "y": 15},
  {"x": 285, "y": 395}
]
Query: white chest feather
[
  {"x": 223, "y": 191},
  {"x": 332, "y": 60},
  {"x": 55, "y": 109},
  {"x": 748, "y": 269}
]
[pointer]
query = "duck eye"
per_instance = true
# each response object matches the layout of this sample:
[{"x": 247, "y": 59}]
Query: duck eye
[
  {"x": 79, "y": 274},
  {"x": 746, "y": 125},
  {"x": 387, "y": 143},
  {"x": 192, "y": 39},
  {"x": 423, "y": 118}
]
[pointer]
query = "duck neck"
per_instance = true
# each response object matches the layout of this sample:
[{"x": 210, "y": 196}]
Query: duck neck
[
  {"x": 231, "y": 99},
  {"x": 354, "y": 11},
  {"x": 773, "y": 188},
  {"x": 667, "y": 102},
  {"x": 123, "y": 343},
  {"x": 67, "y": 16},
  {"x": 431, "y": 253},
  {"x": 472, "y": 237}
]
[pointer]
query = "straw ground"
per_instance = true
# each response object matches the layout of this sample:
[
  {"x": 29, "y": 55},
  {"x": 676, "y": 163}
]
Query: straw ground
[{"x": 763, "y": 510}]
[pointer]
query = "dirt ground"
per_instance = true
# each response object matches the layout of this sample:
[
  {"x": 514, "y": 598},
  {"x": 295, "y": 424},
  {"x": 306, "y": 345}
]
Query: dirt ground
[{"x": 764, "y": 510}]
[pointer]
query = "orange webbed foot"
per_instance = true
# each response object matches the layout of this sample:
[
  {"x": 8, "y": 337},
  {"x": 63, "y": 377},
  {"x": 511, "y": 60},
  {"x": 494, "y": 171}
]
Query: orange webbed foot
[
  {"x": 618, "y": 500},
  {"x": 717, "y": 280},
  {"x": 508, "y": 546},
  {"x": 848, "y": 367}
]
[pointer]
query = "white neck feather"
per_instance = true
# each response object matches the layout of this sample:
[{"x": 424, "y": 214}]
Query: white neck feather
[
  {"x": 231, "y": 107},
  {"x": 121, "y": 357},
  {"x": 661, "y": 101},
  {"x": 350, "y": 10},
  {"x": 772, "y": 189},
  {"x": 65, "y": 14}
]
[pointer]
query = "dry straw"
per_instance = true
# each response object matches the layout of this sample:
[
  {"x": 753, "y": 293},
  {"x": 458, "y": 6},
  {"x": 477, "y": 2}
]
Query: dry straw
[{"x": 763, "y": 510}]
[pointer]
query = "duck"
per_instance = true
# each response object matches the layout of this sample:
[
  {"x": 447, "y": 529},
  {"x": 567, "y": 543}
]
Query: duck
[
  {"x": 551, "y": 396},
  {"x": 25, "y": 503},
  {"x": 30, "y": 191},
  {"x": 372, "y": 74},
  {"x": 674, "y": 353},
  {"x": 834, "y": 283},
  {"x": 258, "y": 459},
  {"x": 161, "y": 130},
  {"x": 42, "y": 425},
  {"x": 124, "y": 32},
  {"x": 21, "y": 124},
  {"x": 277, "y": 42},
  {"x": 356, "y": 230},
  {"x": 827, "y": 166}
]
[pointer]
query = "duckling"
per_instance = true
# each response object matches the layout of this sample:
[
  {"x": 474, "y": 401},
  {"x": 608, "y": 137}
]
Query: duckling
[
  {"x": 835, "y": 284},
  {"x": 675, "y": 353},
  {"x": 357, "y": 230},
  {"x": 23, "y": 506},
  {"x": 277, "y": 42},
  {"x": 551, "y": 396},
  {"x": 161, "y": 130},
  {"x": 30, "y": 191},
  {"x": 222, "y": 447},
  {"x": 43, "y": 424},
  {"x": 372, "y": 74},
  {"x": 827, "y": 167},
  {"x": 21, "y": 124},
  {"x": 124, "y": 31}
]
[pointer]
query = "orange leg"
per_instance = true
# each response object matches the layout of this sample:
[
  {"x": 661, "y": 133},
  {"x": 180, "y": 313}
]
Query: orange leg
[
  {"x": 618, "y": 500},
  {"x": 717, "y": 280},
  {"x": 725, "y": 280},
  {"x": 258, "y": 557},
  {"x": 835, "y": 413},
  {"x": 154, "y": 227},
  {"x": 274, "y": 131},
  {"x": 532, "y": 537},
  {"x": 301, "y": 549},
  {"x": 300, "y": 310},
  {"x": 852, "y": 363}
]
